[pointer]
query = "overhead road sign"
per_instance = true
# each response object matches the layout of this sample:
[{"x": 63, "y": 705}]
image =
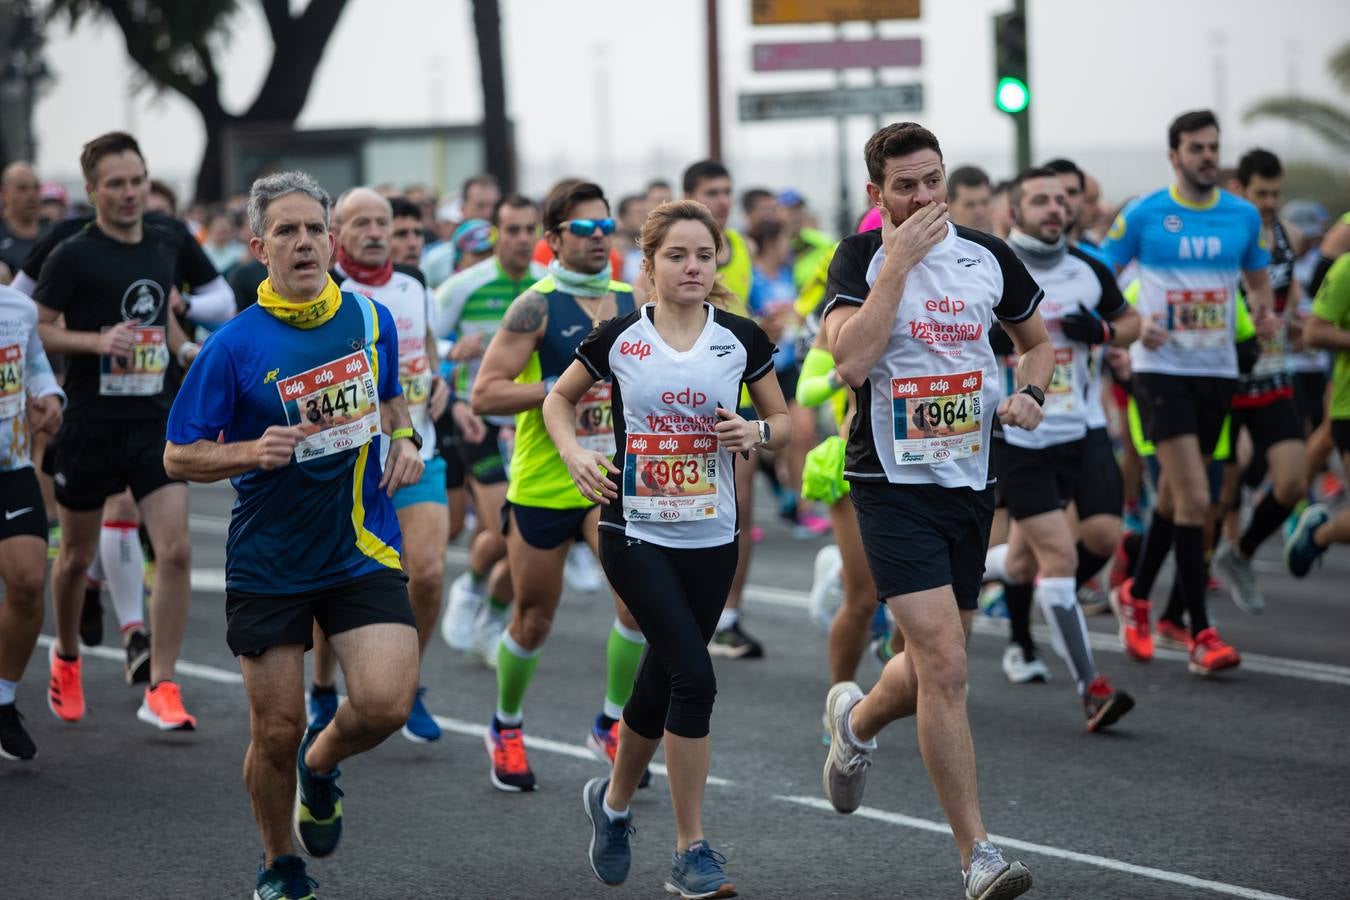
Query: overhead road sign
[
  {"x": 798, "y": 12},
  {"x": 800, "y": 55},
  {"x": 863, "y": 101}
]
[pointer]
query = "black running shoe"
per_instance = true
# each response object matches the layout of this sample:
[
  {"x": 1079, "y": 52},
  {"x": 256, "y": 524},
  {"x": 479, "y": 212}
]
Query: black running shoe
[
  {"x": 14, "y": 740},
  {"x": 91, "y": 617},
  {"x": 137, "y": 668},
  {"x": 734, "y": 643}
]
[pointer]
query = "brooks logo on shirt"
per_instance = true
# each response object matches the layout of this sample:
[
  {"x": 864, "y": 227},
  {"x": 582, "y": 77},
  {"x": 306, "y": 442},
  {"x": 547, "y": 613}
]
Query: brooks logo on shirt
[
  {"x": 721, "y": 349},
  {"x": 640, "y": 349}
]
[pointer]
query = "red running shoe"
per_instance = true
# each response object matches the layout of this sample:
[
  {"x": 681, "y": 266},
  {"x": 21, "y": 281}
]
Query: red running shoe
[
  {"x": 1136, "y": 633},
  {"x": 1209, "y": 654}
]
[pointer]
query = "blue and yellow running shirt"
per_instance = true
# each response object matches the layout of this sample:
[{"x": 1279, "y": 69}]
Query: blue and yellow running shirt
[
  {"x": 321, "y": 519},
  {"x": 1190, "y": 258}
]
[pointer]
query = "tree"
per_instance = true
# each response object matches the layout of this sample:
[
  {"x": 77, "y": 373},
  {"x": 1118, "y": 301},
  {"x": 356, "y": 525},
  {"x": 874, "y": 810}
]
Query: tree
[
  {"x": 171, "y": 42},
  {"x": 498, "y": 153},
  {"x": 1327, "y": 120}
]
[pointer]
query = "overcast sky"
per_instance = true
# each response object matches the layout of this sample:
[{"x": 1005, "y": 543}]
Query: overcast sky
[{"x": 615, "y": 88}]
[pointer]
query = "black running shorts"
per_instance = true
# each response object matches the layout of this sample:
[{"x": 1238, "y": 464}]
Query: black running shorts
[
  {"x": 1175, "y": 405},
  {"x": 1032, "y": 482},
  {"x": 1340, "y": 434},
  {"x": 92, "y": 461},
  {"x": 921, "y": 536},
  {"x": 21, "y": 505},
  {"x": 544, "y": 528},
  {"x": 1101, "y": 489},
  {"x": 255, "y": 622},
  {"x": 1268, "y": 425}
]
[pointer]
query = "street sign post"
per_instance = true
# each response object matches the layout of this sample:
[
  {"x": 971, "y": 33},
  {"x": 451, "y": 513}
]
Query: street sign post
[
  {"x": 863, "y": 101},
  {"x": 797, "y": 12},
  {"x": 802, "y": 55}
]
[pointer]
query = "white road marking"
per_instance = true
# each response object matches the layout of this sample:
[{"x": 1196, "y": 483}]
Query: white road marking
[{"x": 1101, "y": 862}]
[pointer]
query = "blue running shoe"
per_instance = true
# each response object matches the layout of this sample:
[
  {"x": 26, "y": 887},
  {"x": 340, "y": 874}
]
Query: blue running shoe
[
  {"x": 322, "y": 707},
  {"x": 285, "y": 880},
  {"x": 1300, "y": 551},
  {"x": 421, "y": 728},
  {"x": 317, "y": 820},
  {"x": 696, "y": 874},
  {"x": 610, "y": 854}
]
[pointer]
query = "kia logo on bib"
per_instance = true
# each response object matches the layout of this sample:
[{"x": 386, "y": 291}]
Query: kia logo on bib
[
  {"x": 945, "y": 305},
  {"x": 941, "y": 454},
  {"x": 687, "y": 397},
  {"x": 669, "y": 514},
  {"x": 640, "y": 349}
]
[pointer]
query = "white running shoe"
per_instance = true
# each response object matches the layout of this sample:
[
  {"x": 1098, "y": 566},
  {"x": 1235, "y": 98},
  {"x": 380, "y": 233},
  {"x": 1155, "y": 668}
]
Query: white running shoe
[
  {"x": 827, "y": 588},
  {"x": 1021, "y": 670},
  {"x": 582, "y": 571},
  {"x": 461, "y": 614},
  {"x": 486, "y": 638}
]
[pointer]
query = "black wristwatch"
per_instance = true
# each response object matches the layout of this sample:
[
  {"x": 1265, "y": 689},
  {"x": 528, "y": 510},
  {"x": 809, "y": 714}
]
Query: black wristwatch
[{"x": 1034, "y": 393}]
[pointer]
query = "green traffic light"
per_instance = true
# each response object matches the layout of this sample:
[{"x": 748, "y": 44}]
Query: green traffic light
[{"x": 1012, "y": 95}]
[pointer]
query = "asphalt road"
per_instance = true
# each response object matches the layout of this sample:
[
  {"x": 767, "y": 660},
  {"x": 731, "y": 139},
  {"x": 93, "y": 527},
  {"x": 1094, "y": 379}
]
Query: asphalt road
[{"x": 1232, "y": 786}]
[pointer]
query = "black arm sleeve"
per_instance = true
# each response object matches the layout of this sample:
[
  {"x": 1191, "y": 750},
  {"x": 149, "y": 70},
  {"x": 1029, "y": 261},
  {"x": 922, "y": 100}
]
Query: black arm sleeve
[
  {"x": 847, "y": 281},
  {"x": 195, "y": 268},
  {"x": 59, "y": 282}
]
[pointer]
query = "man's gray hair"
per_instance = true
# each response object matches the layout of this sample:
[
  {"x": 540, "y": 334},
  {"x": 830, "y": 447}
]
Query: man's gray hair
[{"x": 274, "y": 187}]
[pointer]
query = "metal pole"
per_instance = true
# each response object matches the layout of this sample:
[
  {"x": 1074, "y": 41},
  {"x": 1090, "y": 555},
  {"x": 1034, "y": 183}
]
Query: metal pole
[
  {"x": 1022, "y": 120},
  {"x": 714, "y": 85},
  {"x": 843, "y": 218},
  {"x": 876, "y": 75}
]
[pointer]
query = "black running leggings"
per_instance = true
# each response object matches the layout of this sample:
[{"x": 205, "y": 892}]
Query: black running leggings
[{"x": 676, "y": 596}]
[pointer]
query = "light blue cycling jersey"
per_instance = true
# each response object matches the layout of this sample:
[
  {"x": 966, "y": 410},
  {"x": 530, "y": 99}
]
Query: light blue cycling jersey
[{"x": 1190, "y": 257}]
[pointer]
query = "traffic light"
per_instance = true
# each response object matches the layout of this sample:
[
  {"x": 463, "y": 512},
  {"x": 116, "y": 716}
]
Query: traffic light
[{"x": 1011, "y": 92}]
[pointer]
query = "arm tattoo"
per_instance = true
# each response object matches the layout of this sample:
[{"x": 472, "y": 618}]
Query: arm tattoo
[{"x": 526, "y": 314}]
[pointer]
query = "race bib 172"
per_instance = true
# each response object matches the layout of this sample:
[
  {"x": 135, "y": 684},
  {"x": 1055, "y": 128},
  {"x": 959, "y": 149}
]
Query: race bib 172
[{"x": 141, "y": 372}]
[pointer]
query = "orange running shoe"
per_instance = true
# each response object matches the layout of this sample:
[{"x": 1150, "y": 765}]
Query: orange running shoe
[
  {"x": 510, "y": 764},
  {"x": 65, "y": 691},
  {"x": 1170, "y": 634},
  {"x": 1136, "y": 633},
  {"x": 163, "y": 708},
  {"x": 1209, "y": 654},
  {"x": 604, "y": 743}
]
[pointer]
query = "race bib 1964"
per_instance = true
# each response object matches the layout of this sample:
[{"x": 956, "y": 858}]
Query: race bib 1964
[
  {"x": 936, "y": 418},
  {"x": 670, "y": 478},
  {"x": 140, "y": 373},
  {"x": 336, "y": 404},
  {"x": 11, "y": 381}
]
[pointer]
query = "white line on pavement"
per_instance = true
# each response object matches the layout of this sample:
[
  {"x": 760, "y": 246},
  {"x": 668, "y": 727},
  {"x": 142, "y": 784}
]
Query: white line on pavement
[
  {"x": 1102, "y": 862},
  {"x": 477, "y": 730}
]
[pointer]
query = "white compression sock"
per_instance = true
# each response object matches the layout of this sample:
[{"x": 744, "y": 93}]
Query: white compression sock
[
  {"x": 119, "y": 549},
  {"x": 1068, "y": 630},
  {"x": 995, "y": 563}
]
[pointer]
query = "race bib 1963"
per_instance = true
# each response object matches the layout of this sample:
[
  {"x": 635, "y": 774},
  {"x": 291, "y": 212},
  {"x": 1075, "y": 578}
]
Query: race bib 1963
[
  {"x": 936, "y": 418},
  {"x": 1198, "y": 319},
  {"x": 140, "y": 373},
  {"x": 336, "y": 404},
  {"x": 11, "y": 381},
  {"x": 595, "y": 419},
  {"x": 670, "y": 478}
]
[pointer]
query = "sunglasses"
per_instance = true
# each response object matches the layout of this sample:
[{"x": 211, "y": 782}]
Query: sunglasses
[{"x": 587, "y": 227}]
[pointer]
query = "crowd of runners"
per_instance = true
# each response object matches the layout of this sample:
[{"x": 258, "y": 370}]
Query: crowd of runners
[{"x": 991, "y": 397}]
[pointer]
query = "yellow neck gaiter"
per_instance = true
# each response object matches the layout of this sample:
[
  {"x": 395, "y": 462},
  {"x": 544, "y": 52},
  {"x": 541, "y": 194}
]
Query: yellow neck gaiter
[{"x": 305, "y": 313}]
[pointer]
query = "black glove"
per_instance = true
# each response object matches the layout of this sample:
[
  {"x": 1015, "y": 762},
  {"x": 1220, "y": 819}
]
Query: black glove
[
  {"x": 1000, "y": 341},
  {"x": 1248, "y": 352},
  {"x": 1087, "y": 327}
]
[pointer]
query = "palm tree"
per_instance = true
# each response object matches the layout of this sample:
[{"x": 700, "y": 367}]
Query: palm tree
[{"x": 1327, "y": 120}]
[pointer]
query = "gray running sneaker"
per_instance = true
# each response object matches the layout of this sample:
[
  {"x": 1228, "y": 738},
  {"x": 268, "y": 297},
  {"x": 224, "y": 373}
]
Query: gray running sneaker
[
  {"x": 846, "y": 764},
  {"x": 991, "y": 878},
  {"x": 697, "y": 874},
  {"x": 1241, "y": 580},
  {"x": 610, "y": 854}
]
